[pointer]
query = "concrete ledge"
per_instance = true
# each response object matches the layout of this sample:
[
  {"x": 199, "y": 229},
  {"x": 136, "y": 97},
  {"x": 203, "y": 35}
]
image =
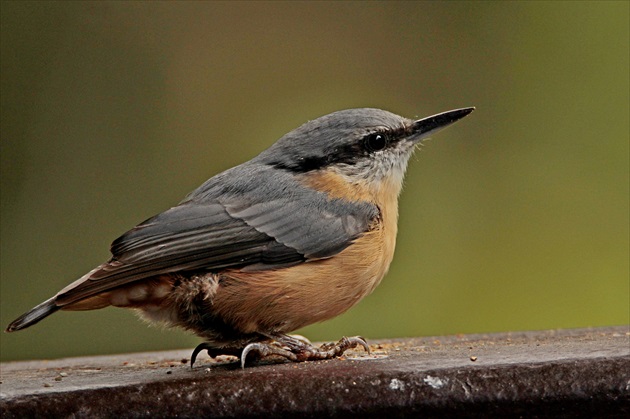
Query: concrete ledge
[{"x": 563, "y": 373}]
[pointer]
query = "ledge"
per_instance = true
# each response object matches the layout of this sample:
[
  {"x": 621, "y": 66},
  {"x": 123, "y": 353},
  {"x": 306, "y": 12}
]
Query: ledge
[{"x": 564, "y": 373}]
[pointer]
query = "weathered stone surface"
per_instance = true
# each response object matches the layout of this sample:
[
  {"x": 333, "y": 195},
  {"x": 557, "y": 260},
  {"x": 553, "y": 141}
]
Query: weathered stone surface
[{"x": 563, "y": 373}]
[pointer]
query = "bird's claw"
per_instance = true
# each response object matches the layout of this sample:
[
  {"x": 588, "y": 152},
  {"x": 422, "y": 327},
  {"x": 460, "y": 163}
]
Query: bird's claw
[
  {"x": 213, "y": 352},
  {"x": 266, "y": 349},
  {"x": 201, "y": 347}
]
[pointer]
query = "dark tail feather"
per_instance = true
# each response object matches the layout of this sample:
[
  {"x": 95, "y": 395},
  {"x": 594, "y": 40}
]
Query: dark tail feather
[{"x": 34, "y": 315}]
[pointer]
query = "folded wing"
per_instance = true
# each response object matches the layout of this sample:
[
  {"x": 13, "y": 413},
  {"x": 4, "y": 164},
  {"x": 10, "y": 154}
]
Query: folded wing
[{"x": 229, "y": 230}]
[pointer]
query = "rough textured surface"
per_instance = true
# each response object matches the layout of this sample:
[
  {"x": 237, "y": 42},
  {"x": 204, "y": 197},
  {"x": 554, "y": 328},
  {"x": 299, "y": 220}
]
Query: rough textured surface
[{"x": 565, "y": 373}]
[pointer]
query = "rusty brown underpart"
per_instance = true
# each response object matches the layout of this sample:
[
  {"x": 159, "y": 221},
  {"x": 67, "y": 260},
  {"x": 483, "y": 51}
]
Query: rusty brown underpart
[{"x": 563, "y": 373}]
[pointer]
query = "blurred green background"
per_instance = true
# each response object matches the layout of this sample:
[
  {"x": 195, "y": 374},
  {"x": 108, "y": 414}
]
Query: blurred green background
[{"x": 516, "y": 218}]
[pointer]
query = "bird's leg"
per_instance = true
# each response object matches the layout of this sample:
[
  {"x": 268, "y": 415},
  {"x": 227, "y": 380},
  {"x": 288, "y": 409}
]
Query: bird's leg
[{"x": 297, "y": 350}]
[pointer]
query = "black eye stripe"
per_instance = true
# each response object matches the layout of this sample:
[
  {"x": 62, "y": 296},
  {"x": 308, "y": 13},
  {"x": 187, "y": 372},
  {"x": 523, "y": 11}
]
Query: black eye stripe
[
  {"x": 375, "y": 142},
  {"x": 348, "y": 154}
]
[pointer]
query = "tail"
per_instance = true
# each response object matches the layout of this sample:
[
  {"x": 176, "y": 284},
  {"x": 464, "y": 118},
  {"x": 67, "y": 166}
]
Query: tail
[{"x": 34, "y": 315}]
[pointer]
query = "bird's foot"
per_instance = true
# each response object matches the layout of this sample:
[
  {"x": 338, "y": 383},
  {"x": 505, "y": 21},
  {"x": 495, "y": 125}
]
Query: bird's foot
[
  {"x": 213, "y": 352},
  {"x": 297, "y": 350}
]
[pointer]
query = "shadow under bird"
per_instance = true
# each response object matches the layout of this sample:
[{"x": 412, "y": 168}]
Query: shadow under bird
[{"x": 297, "y": 235}]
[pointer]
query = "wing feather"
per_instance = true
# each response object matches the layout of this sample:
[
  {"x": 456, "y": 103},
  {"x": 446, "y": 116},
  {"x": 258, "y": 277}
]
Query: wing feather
[{"x": 230, "y": 228}]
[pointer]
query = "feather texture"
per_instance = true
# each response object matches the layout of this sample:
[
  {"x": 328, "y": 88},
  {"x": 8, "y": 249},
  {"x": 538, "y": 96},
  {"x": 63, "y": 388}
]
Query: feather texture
[{"x": 230, "y": 227}]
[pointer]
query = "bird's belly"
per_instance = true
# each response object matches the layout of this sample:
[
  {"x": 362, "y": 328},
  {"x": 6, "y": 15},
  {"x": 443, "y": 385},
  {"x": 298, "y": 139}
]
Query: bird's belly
[{"x": 286, "y": 299}]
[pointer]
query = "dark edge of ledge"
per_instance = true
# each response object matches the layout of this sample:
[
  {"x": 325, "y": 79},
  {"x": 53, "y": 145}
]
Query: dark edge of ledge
[{"x": 564, "y": 373}]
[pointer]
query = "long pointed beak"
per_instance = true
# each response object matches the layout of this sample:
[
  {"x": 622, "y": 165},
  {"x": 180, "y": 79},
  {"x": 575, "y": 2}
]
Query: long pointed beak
[{"x": 422, "y": 128}]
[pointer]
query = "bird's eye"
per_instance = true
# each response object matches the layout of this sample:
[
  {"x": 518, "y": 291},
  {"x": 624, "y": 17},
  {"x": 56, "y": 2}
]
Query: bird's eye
[{"x": 375, "y": 142}]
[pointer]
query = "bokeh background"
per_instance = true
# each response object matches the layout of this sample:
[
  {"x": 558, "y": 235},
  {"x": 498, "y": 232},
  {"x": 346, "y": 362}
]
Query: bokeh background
[{"x": 516, "y": 218}]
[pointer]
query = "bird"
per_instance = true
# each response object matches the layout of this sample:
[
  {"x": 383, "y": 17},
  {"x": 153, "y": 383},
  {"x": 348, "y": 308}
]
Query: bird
[{"x": 294, "y": 236}]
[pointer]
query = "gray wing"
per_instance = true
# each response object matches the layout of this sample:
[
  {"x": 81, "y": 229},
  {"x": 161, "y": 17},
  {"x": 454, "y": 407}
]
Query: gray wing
[{"x": 246, "y": 225}]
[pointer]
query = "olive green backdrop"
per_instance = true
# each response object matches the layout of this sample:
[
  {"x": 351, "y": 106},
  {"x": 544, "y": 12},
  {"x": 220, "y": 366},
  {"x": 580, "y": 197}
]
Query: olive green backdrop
[{"x": 516, "y": 218}]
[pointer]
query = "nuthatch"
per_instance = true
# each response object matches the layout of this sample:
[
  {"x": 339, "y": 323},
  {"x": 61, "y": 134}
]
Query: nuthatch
[{"x": 297, "y": 235}]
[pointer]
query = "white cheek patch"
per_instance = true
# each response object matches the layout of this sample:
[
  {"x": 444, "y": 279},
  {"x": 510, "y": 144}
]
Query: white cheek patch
[{"x": 389, "y": 165}]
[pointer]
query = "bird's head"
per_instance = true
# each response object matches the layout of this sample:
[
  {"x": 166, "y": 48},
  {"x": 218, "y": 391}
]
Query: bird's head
[{"x": 362, "y": 146}]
